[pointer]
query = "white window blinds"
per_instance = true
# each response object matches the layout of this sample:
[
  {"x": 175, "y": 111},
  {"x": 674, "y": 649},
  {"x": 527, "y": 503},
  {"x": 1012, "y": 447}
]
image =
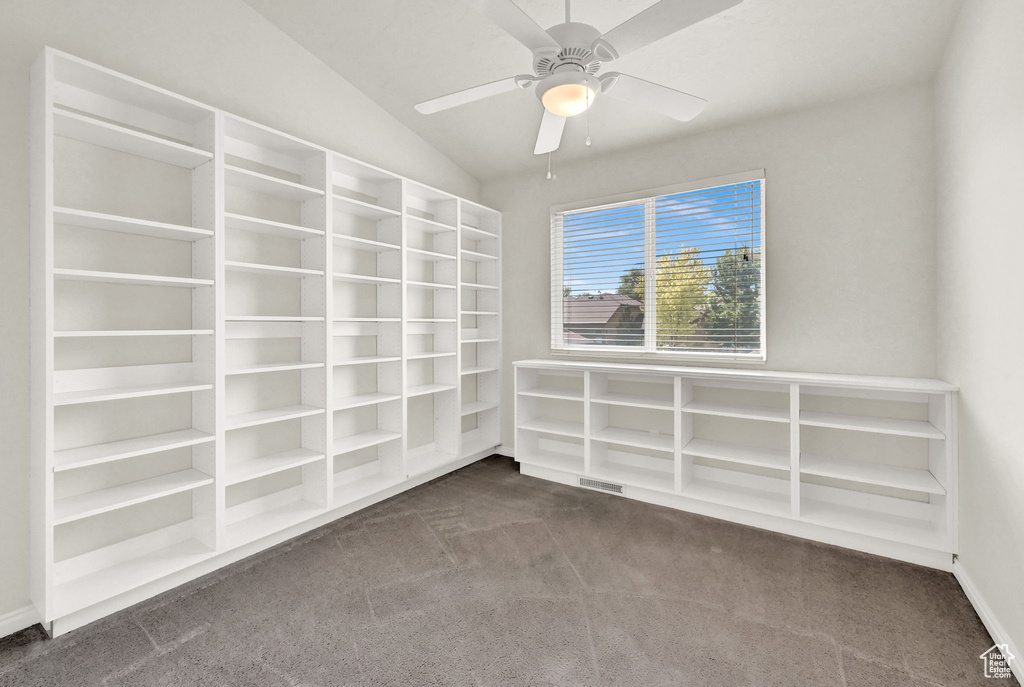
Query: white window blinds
[{"x": 676, "y": 273}]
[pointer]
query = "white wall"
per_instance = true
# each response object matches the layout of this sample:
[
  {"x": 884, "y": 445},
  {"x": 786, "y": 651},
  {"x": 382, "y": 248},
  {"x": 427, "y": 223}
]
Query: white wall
[
  {"x": 220, "y": 52},
  {"x": 850, "y": 243},
  {"x": 980, "y": 134}
]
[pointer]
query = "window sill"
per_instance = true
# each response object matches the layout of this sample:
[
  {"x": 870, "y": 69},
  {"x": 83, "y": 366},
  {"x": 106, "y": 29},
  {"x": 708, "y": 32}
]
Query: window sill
[{"x": 663, "y": 358}]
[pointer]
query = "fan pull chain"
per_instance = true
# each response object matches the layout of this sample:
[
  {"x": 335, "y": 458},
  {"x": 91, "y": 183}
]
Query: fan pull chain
[
  {"x": 588, "y": 117},
  {"x": 550, "y": 176}
]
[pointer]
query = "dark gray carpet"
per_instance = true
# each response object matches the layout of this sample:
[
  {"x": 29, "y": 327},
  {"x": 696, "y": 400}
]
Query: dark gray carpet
[{"x": 486, "y": 577}]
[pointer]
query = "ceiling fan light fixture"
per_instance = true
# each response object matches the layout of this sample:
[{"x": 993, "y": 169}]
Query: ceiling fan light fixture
[
  {"x": 568, "y": 94},
  {"x": 568, "y": 99}
]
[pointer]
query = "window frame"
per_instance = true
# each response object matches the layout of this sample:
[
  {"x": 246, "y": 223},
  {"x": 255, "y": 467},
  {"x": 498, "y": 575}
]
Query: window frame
[{"x": 560, "y": 348}]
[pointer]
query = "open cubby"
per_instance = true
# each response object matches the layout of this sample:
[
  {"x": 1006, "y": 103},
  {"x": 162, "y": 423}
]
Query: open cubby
[
  {"x": 433, "y": 429},
  {"x": 550, "y": 450}
]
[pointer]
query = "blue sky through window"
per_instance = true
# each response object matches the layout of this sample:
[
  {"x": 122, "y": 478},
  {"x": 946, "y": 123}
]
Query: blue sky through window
[{"x": 600, "y": 245}]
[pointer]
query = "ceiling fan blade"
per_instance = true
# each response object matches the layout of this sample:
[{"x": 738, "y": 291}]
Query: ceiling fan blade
[
  {"x": 660, "y": 20},
  {"x": 517, "y": 24},
  {"x": 667, "y": 101},
  {"x": 550, "y": 135},
  {"x": 475, "y": 93}
]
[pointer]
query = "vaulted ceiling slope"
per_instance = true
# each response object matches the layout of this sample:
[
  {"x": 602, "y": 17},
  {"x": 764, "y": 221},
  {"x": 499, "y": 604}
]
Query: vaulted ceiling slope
[{"x": 756, "y": 59}]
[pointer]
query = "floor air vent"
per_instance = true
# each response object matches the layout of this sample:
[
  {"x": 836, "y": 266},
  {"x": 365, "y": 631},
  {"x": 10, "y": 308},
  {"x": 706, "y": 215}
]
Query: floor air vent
[{"x": 603, "y": 486}]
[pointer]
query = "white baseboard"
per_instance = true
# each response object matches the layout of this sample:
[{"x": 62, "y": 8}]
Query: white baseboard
[
  {"x": 508, "y": 451},
  {"x": 989, "y": 619},
  {"x": 18, "y": 620}
]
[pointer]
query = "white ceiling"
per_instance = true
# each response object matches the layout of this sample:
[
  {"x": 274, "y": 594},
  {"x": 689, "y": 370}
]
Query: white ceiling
[{"x": 758, "y": 58}]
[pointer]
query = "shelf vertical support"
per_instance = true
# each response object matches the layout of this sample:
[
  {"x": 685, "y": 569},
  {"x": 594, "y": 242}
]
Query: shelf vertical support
[
  {"x": 317, "y": 478},
  {"x": 684, "y": 431},
  {"x": 403, "y": 350},
  {"x": 458, "y": 333},
  {"x": 41, "y": 553},
  {"x": 587, "y": 421},
  {"x": 208, "y": 414},
  {"x": 942, "y": 460},
  {"x": 794, "y": 449},
  {"x": 328, "y": 330}
]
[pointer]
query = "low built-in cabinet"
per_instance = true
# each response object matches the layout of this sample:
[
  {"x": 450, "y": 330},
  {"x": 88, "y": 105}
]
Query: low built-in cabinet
[
  {"x": 864, "y": 462},
  {"x": 237, "y": 336}
]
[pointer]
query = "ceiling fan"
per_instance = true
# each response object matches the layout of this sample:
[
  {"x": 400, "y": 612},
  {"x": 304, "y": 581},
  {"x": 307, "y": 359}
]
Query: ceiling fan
[{"x": 567, "y": 57}]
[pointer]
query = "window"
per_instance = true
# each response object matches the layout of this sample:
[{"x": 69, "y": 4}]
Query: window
[{"x": 677, "y": 272}]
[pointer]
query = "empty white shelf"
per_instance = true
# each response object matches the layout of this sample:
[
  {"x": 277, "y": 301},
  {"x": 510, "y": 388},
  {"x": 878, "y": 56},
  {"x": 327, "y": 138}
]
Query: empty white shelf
[
  {"x": 428, "y": 255},
  {"x": 361, "y": 208},
  {"x": 478, "y": 369},
  {"x": 423, "y": 460},
  {"x": 870, "y": 473},
  {"x": 731, "y": 410},
  {"x": 429, "y": 285},
  {"x": 479, "y": 287},
  {"x": 350, "y": 492},
  {"x": 737, "y": 496},
  {"x": 560, "y": 394},
  {"x": 266, "y": 226},
  {"x": 552, "y": 459},
  {"x": 366, "y": 244},
  {"x": 634, "y": 401},
  {"x": 737, "y": 453},
  {"x": 479, "y": 313},
  {"x": 364, "y": 400},
  {"x": 430, "y": 354},
  {"x": 70, "y": 459},
  {"x": 263, "y": 417},
  {"x": 424, "y": 389},
  {"x": 364, "y": 278},
  {"x": 366, "y": 360},
  {"x": 633, "y": 476},
  {"x": 363, "y": 440},
  {"x": 569, "y": 429},
  {"x": 367, "y": 319},
  {"x": 126, "y": 278},
  {"x": 478, "y": 407},
  {"x": 475, "y": 442},
  {"x": 86, "y": 590},
  {"x": 100, "y": 333},
  {"x": 431, "y": 320},
  {"x": 632, "y": 437},
  {"x": 907, "y": 530},
  {"x": 264, "y": 183},
  {"x": 474, "y": 256},
  {"x": 269, "y": 522},
  {"x": 90, "y": 130},
  {"x": 268, "y": 465},
  {"x": 479, "y": 341},
  {"x": 117, "y": 393},
  {"x": 274, "y": 270},
  {"x": 128, "y": 225},
  {"x": 476, "y": 233},
  {"x": 428, "y": 225},
  {"x": 96, "y": 502},
  {"x": 864, "y": 423},
  {"x": 271, "y": 367},
  {"x": 273, "y": 318}
]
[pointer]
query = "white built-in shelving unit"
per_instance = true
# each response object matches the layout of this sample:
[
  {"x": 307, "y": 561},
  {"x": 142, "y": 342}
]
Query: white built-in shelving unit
[
  {"x": 869, "y": 463},
  {"x": 480, "y": 325},
  {"x": 237, "y": 336}
]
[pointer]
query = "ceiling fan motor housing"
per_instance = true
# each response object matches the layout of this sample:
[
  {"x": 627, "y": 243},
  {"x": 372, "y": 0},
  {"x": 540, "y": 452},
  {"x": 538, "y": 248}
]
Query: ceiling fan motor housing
[{"x": 575, "y": 40}]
